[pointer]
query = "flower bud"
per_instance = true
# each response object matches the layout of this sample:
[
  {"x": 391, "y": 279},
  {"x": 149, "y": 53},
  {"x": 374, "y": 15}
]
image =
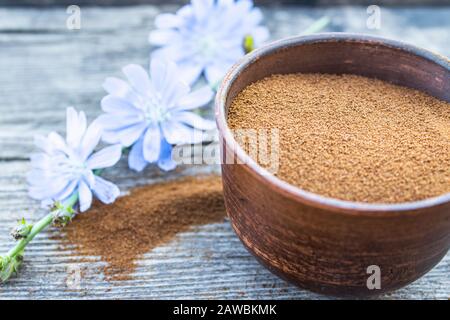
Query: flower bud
[
  {"x": 9, "y": 266},
  {"x": 62, "y": 215},
  {"x": 21, "y": 230},
  {"x": 248, "y": 44}
]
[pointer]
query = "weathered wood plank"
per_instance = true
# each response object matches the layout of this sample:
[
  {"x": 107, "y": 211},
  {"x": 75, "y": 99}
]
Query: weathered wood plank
[
  {"x": 259, "y": 2},
  {"x": 207, "y": 262},
  {"x": 45, "y": 67}
]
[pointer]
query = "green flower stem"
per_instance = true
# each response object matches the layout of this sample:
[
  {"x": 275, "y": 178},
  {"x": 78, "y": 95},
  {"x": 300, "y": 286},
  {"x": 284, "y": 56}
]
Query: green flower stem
[
  {"x": 60, "y": 214},
  {"x": 42, "y": 224},
  {"x": 38, "y": 227},
  {"x": 317, "y": 25}
]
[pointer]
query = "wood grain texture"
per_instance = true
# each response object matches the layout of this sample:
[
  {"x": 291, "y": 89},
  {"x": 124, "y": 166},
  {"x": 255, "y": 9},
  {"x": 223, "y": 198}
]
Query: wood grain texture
[{"x": 44, "y": 68}]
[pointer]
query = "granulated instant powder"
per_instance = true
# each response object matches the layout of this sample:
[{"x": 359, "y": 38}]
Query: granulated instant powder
[
  {"x": 350, "y": 137},
  {"x": 148, "y": 217}
]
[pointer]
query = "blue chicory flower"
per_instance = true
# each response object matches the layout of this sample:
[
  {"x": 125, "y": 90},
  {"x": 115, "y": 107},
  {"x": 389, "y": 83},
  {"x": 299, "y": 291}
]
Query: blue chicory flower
[
  {"x": 66, "y": 166},
  {"x": 152, "y": 114},
  {"x": 207, "y": 36}
]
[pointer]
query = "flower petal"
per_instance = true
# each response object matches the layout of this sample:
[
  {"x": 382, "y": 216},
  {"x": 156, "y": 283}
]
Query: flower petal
[
  {"x": 215, "y": 72},
  {"x": 190, "y": 72},
  {"x": 90, "y": 140},
  {"x": 201, "y": 8},
  {"x": 235, "y": 16},
  {"x": 163, "y": 37},
  {"x": 260, "y": 34},
  {"x": 194, "y": 120},
  {"x": 152, "y": 142},
  {"x": 85, "y": 196},
  {"x": 195, "y": 99},
  {"x": 40, "y": 190},
  {"x": 225, "y": 3},
  {"x": 139, "y": 79},
  {"x": 158, "y": 73},
  {"x": 254, "y": 17},
  {"x": 37, "y": 176},
  {"x": 165, "y": 76},
  {"x": 68, "y": 191},
  {"x": 116, "y": 87},
  {"x": 174, "y": 90},
  {"x": 42, "y": 143},
  {"x": 136, "y": 160},
  {"x": 107, "y": 157},
  {"x": 167, "y": 20},
  {"x": 165, "y": 161},
  {"x": 41, "y": 160},
  {"x": 36, "y": 193},
  {"x": 89, "y": 177},
  {"x": 125, "y": 136},
  {"x": 112, "y": 121},
  {"x": 105, "y": 191},
  {"x": 119, "y": 88},
  {"x": 177, "y": 52},
  {"x": 57, "y": 142},
  {"x": 75, "y": 126},
  {"x": 115, "y": 104}
]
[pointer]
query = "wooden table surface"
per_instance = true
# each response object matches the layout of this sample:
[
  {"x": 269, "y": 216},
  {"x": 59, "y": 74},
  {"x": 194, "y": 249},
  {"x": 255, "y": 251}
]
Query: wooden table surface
[{"x": 44, "y": 68}]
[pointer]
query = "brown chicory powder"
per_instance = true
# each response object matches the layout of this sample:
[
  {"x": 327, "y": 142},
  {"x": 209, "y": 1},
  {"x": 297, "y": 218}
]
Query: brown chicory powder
[
  {"x": 150, "y": 216},
  {"x": 351, "y": 137}
]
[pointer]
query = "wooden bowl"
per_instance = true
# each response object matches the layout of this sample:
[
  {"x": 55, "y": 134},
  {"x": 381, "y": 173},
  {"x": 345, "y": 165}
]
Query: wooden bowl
[{"x": 322, "y": 244}]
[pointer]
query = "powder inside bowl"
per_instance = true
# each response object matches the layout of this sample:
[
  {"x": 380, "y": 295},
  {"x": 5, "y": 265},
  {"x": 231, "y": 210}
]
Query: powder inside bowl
[
  {"x": 351, "y": 137},
  {"x": 150, "y": 216}
]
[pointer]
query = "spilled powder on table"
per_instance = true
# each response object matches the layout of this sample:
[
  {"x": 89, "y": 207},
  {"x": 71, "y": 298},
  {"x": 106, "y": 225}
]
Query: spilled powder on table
[{"x": 149, "y": 217}]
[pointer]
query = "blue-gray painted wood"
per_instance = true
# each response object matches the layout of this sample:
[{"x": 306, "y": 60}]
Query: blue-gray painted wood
[{"x": 44, "y": 3}]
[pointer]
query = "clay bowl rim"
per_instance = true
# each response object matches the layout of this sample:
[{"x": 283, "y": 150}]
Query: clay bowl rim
[{"x": 294, "y": 192}]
